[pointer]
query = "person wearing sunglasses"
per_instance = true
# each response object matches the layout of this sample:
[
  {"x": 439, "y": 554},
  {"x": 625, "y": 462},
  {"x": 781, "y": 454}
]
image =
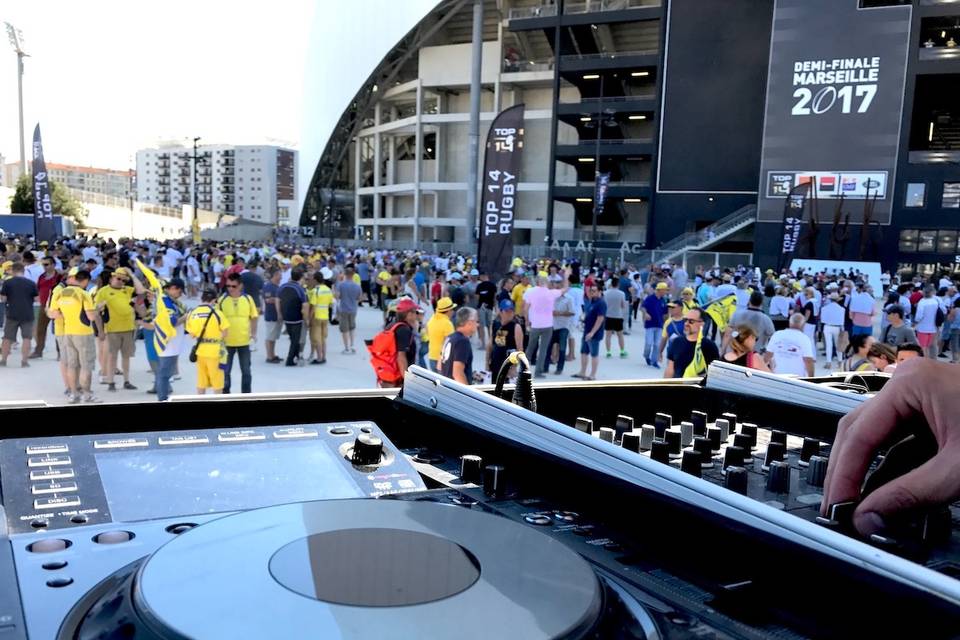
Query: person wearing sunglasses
[{"x": 689, "y": 356}]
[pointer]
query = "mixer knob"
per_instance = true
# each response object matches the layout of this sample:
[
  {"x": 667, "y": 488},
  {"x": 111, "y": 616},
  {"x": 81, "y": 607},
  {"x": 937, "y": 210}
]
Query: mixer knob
[
  {"x": 690, "y": 463},
  {"x": 731, "y": 419},
  {"x": 780, "y": 437},
  {"x": 775, "y": 453},
  {"x": 742, "y": 440},
  {"x": 713, "y": 434},
  {"x": 631, "y": 441},
  {"x": 607, "y": 434},
  {"x": 585, "y": 425},
  {"x": 367, "y": 450},
  {"x": 495, "y": 480},
  {"x": 672, "y": 438},
  {"x": 660, "y": 451},
  {"x": 811, "y": 447},
  {"x": 662, "y": 422},
  {"x": 817, "y": 471},
  {"x": 471, "y": 469},
  {"x": 686, "y": 434},
  {"x": 623, "y": 424},
  {"x": 705, "y": 449},
  {"x": 733, "y": 457},
  {"x": 736, "y": 480},
  {"x": 647, "y": 433},
  {"x": 778, "y": 480},
  {"x": 724, "y": 427},
  {"x": 750, "y": 429},
  {"x": 699, "y": 420}
]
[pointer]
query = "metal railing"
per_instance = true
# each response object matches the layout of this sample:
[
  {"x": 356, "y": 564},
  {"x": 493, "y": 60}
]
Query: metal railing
[
  {"x": 520, "y": 66},
  {"x": 609, "y": 141},
  {"x": 619, "y": 183},
  {"x": 608, "y": 55},
  {"x": 612, "y": 99},
  {"x": 594, "y": 6},
  {"x": 540, "y": 11},
  {"x": 712, "y": 233}
]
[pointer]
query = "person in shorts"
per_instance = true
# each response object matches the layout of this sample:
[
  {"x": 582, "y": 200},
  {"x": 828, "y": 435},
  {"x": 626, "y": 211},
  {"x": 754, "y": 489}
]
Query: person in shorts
[
  {"x": 210, "y": 336},
  {"x": 348, "y": 294},
  {"x": 75, "y": 307},
  {"x": 116, "y": 300},
  {"x": 594, "y": 317},
  {"x": 271, "y": 314},
  {"x": 18, "y": 294}
]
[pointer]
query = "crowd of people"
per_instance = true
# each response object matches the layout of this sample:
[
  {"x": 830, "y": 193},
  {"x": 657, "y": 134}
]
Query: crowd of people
[{"x": 100, "y": 298}]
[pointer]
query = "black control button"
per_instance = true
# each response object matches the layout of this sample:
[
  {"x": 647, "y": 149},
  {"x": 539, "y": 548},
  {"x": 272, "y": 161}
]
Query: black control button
[
  {"x": 425, "y": 456},
  {"x": 607, "y": 434},
  {"x": 811, "y": 447},
  {"x": 56, "y": 565},
  {"x": 778, "y": 480},
  {"x": 495, "y": 480},
  {"x": 731, "y": 419},
  {"x": 113, "y": 537},
  {"x": 699, "y": 420},
  {"x": 367, "y": 450},
  {"x": 733, "y": 456},
  {"x": 39, "y": 524},
  {"x": 340, "y": 431},
  {"x": 736, "y": 480},
  {"x": 750, "y": 429},
  {"x": 690, "y": 462},
  {"x": 49, "y": 545},
  {"x": 817, "y": 471},
  {"x": 775, "y": 453},
  {"x": 660, "y": 451},
  {"x": 471, "y": 469},
  {"x": 79, "y": 519},
  {"x": 585, "y": 425},
  {"x": 180, "y": 527},
  {"x": 538, "y": 519},
  {"x": 566, "y": 516},
  {"x": 714, "y": 434},
  {"x": 631, "y": 441},
  {"x": 702, "y": 446},
  {"x": 779, "y": 437},
  {"x": 623, "y": 424},
  {"x": 647, "y": 434},
  {"x": 742, "y": 440},
  {"x": 366, "y": 430},
  {"x": 59, "y": 582},
  {"x": 662, "y": 422},
  {"x": 724, "y": 427},
  {"x": 672, "y": 438}
]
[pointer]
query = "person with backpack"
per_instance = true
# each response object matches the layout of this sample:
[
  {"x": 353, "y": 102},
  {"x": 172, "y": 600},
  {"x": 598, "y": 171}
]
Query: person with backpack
[
  {"x": 240, "y": 310},
  {"x": 394, "y": 349},
  {"x": 211, "y": 329}
]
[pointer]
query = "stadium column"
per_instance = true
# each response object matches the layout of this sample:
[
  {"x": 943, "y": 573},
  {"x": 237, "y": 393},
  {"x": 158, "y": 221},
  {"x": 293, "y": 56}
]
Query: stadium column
[
  {"x": 475, "y": 89},
  {"x": 376, "y": 172},
  {"x": 356, "y": 190},
  {"x": 418, "y": 164}
]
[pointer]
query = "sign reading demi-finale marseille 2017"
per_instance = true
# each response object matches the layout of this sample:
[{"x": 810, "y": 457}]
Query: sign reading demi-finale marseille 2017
[{"x": 501, "y": 176}]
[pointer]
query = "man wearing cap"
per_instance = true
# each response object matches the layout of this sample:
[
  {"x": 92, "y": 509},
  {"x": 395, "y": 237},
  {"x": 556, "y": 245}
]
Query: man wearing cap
[
  {"x": 672, "y": 327},
  {"x": 167, "y": 354},
  {"x": 18, "y": 294},
  {"x": 407, "y": 325},
  {"x": 654, "y": 311},
  {"x": 438, "y": 328},
  {"x": 506, "y": 336},
  {"x": 115, "y": 304},
  {"x": 74, "y": 306}
]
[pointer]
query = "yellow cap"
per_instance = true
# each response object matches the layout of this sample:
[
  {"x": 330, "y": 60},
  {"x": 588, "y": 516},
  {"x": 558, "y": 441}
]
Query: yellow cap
[
  {"x": 687, "y": 290},
  {"x": 445, "y": 304},
  {"x": 662, "y": 286}
]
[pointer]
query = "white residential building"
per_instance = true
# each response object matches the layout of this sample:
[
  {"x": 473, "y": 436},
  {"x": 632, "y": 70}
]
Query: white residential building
[{"x": 255, "y": 182}]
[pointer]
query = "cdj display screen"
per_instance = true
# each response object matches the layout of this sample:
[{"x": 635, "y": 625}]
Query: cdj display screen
[{"x": 141, "y": 485}]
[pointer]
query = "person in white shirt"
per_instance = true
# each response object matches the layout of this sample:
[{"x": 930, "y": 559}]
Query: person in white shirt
[
  {"x": 31, "y": 268},
  {"x": 926, "y": 322},
  {"x": 780, "y": 308},
  {"x": 832, "y": 316},
  {"x": 790, "y": 350}
]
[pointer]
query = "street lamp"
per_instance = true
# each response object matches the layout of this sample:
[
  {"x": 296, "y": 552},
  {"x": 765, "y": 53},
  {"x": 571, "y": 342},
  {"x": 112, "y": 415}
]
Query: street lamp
[{"x": 16, "y": 41}]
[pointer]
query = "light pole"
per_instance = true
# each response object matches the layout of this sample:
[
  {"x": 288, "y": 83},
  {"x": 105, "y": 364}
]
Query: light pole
[
  {"x": 16, "y": 41},
  {"x": 196, "y": 220},
  {"x": 600, "y": 122}
]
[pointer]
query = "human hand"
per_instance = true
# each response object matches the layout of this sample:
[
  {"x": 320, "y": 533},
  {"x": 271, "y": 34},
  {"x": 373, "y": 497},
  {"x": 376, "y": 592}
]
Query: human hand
[{"x": 919, "y": 387}]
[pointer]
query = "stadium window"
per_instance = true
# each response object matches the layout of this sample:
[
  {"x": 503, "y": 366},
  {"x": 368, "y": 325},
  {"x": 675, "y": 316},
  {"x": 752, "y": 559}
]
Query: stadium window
[
  {"x": 928, "y": 241},
  {"x": 951, "y": 195},
  {"x": 916, "y": 195},
  {"x": 908, "y": 240},
  {"x": 947, "y": 241}
]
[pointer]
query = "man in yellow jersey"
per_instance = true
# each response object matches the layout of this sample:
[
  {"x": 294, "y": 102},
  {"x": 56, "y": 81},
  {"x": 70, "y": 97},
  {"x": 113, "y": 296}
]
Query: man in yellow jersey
[
  {"x": 119, "y": 324},
  {"x": 75, "y": 307},
  {"x": 240, "y": 311},
  {"x": 321, "y": 299},
  {"x": 210, "y": 328},
  {"x": 438, "y": 328}
]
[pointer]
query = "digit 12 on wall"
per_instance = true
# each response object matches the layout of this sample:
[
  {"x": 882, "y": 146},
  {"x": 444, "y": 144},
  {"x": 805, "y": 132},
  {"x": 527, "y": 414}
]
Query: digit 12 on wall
[{"x": 848, "y": 96}]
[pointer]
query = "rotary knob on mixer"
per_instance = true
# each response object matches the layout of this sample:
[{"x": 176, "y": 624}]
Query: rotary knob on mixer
[
  {"x": 811, "y": 447},
  {"x": 775, "y": 453},
  {"x": 631, "y": 441},
  {"x": 660, "y": 451},
  {"x": 736, "y": 480},
  {"x": 817, "y": 471},
  {"x": 662, "y": 422},
  {"x": 699, "y": 420},
  {"x": 732, "y": 457},
  {"x": 471, "y": 469},
  {"x": 778, "y": 480},
  {"x": 690, "y": 463},
  {"x": 367, "y": 450},
  {"x": 703, "y": 447}
]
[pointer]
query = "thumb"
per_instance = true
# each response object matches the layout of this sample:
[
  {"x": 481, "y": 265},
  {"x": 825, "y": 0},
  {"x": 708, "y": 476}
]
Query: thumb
[{"x": 934, "y": 482}]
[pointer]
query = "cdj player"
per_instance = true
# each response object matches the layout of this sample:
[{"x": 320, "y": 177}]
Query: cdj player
[{"x": 634, "y": 510}]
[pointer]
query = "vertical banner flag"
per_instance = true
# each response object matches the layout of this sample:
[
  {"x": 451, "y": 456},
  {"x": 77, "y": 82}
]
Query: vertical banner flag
[
  {"x": 793, "y": 221},
  {"x": 501, "y": 175},
  {"x": 600, "y": 192},
  {"x": 43, "y": 228}
]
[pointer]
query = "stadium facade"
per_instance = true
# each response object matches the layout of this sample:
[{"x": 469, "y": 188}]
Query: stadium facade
[{"x": 704, "y": 114}]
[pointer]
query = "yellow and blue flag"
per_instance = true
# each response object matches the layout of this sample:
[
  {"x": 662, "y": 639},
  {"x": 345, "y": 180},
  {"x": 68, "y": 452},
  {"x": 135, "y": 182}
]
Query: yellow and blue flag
[{"x": 164, "y": 322}]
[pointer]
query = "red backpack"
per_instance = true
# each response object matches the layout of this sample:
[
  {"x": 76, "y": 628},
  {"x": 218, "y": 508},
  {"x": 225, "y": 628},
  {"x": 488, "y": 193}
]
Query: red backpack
[{"x": 383, "y": 354}]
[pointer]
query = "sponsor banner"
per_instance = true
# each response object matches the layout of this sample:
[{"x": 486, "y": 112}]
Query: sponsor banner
[
  {"x": 835, "y": 91},
  {"x": 585, "y": 246},
  {"x": 501, "y": 175},
  {"x": 43, "y": 227},
  {"x": 601, "y": 188},
  {"x": 830, "y": 184}
]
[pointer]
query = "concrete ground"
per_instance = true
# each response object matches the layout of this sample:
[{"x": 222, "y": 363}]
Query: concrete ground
[{"x": 41, "y": 381}]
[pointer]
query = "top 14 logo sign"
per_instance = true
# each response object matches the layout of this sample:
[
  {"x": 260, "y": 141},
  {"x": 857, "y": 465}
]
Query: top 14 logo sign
[{"x": 847, "y": 84}]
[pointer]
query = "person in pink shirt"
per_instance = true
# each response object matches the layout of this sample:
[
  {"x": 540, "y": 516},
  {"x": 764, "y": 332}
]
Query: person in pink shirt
[{"x": 538, "y": 305}]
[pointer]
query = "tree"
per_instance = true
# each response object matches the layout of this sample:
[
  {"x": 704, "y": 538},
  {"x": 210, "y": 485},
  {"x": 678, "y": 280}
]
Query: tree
[{"x": 64, "y": 204}]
